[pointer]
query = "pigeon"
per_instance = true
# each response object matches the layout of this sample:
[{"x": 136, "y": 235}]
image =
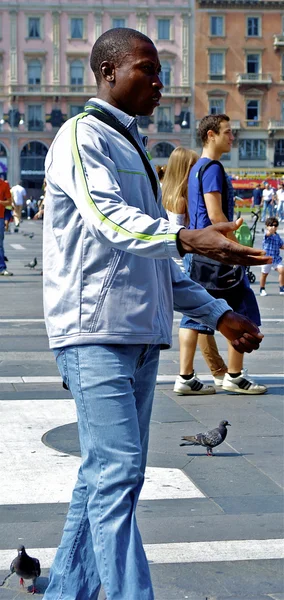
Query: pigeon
[
  {"x": 210, "y": 439},
  {"x": 32, "y": 264},
  {"x": 25, "y": 567},
  {"x": 31, "y": 235}
]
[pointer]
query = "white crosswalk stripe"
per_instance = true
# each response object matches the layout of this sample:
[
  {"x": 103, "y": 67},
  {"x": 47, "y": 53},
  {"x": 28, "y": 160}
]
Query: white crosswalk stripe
[{"x": 33, "y": 473}]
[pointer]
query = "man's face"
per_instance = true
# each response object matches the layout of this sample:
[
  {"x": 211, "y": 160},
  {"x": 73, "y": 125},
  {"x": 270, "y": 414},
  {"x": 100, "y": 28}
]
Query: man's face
[
  {"x": 225, "y": 138},
  {"x": 136, "y": 87}
]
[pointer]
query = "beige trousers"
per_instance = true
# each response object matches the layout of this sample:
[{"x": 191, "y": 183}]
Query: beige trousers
[{"x": 214, "y": 360}]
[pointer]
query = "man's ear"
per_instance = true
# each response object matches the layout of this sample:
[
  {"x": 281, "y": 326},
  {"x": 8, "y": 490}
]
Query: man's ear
[{"x": 108, "y": 70}]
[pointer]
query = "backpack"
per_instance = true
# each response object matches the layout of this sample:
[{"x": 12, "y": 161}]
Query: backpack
[{"x": 244, "y": 236}]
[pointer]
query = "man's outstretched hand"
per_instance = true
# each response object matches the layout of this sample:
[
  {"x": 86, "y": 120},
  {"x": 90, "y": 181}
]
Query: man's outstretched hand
[
  {"x": 240, "y": 331},
  {"x": 213, "y": 242}
]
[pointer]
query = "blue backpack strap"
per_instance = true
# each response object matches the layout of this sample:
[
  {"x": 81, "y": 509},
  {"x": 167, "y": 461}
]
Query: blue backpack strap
[{"x": 224, "y": 185}]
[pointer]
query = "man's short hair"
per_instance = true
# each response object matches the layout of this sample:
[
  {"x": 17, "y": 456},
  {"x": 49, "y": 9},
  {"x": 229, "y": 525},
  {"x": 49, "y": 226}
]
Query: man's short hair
[
  {"x": 210, "y": 122},
  {"x": 112, "y": 46}
]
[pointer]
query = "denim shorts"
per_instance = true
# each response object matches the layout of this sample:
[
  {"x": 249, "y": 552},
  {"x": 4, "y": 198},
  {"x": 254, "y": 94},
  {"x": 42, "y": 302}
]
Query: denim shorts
[{"x": 242, "y": 300}]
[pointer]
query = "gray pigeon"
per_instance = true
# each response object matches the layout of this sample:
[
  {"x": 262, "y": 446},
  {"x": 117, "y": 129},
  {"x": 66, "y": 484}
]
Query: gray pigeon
[
  {"x": 25, "y": 567},
  {"x": 32, "y": 264},
  {"x": 210, "y": 439}
]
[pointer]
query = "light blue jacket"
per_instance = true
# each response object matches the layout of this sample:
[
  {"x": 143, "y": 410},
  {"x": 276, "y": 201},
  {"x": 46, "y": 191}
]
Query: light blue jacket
[{"x": 109, "y": 277}]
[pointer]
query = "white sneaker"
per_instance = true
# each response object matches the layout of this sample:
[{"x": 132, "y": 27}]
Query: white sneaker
[
  {"x": 193, "y": 386},
  {"x": 242, "y": 384},
  {"x": 218, "y": 380},
  {"x": 6, "y": 273},
  {"x": 263, "y": 292}
]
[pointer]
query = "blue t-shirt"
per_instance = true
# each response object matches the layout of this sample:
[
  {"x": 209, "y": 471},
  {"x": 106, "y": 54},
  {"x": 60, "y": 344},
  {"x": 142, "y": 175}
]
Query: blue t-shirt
[
  {"x": 212, "y": 181},
  {"x": 257, "y": 196}
]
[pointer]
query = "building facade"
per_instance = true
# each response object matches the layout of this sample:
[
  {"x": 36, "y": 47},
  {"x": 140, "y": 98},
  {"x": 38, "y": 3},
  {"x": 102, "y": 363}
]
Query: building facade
[
  {"x": 239, "y": 57},
  {"x": 45, "y": 76}
]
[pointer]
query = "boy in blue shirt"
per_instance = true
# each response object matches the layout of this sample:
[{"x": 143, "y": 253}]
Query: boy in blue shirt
[{"x": 272, "y": 244}]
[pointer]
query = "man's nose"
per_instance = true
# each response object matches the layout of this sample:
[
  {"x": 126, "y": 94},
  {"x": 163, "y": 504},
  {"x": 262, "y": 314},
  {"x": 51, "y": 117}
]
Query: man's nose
[{"x": 157, "y": 83}]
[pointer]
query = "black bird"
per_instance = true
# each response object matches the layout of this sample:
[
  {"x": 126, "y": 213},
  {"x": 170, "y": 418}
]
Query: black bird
[
  {"x": 32, "y": 264},
  {"x": 25, "y": 567},
  {"x": 31, "y": 236},
  {"x": 210, "y": 439}
]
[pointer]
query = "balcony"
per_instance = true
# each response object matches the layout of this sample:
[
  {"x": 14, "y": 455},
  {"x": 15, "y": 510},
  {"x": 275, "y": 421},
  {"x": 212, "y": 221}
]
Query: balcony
[
  {"x": 165, "y": 126},
  {"x": 255, "y": 79},
  {"x": 179, "y": 91},
  {"x": 53, "y": 90},
  {"x": 252, "y": 123},
  {"x": 275, "y": 125},
  {"x": 278, "y": 41}
]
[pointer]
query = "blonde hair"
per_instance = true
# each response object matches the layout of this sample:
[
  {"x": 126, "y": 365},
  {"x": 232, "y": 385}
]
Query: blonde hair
[{"x": 175, "y": 182}]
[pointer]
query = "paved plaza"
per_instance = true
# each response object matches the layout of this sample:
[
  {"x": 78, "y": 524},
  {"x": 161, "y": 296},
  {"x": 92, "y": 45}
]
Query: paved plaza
[{"x": 213, "y": 528}]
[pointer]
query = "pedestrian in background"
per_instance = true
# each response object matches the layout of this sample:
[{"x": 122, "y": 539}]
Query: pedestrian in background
[
  {"x": 257, "y": 196},
  {"x": 210, "y": 202},
  {"x": 272, "y": 244},
  {"x": 5, "y": 200},
  {"x": 267, "y": 201},
  {"x": 280, "y": 201},
  {"x": 110, "y": 286},
  {"x": 175, "y": 201},
  {"x": 19, "y": 195}
]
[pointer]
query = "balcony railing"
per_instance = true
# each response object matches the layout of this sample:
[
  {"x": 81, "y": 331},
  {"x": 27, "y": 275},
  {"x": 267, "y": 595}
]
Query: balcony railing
[
  {"x": 276, "y": 125},
  {"x": 255, "y": 78},
  {"x": 165, "y": 126},
  {"x": 53, "y": 90},
  {"x": 216, "y": 77},
  {"x": 176, "y": 91},
  {"x": 252, "y": 123},
  {"x": 278, "y": 41}
]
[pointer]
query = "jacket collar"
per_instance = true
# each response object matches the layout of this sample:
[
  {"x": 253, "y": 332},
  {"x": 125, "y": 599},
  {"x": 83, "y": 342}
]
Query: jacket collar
[{"x": 125, "y": 119}]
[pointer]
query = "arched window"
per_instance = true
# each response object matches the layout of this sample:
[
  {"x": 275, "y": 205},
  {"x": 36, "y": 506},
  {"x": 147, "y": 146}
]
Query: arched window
[
  {"x": 34, "y": 72},
  {"x": 76, "y": 73},
  {"x": 165, "y": 75},
  {"x": 32, "y": 159},
  {"x": 3, "y": 160},
  {"x": 162, "y": 150}
]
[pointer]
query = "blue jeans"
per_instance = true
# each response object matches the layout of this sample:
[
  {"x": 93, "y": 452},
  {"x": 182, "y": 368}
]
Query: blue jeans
[
  {"x": 2, "y": 261},
  {"x": 267, "y": 207},
  {"x": 113, "y": 387}
]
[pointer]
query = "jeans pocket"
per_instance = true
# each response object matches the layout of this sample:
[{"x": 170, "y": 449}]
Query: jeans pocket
[{"x": 61, "y": 361}]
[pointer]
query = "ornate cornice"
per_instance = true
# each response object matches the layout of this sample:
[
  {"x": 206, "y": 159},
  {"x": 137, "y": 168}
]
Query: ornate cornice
[{"x": 230, "y": 4}]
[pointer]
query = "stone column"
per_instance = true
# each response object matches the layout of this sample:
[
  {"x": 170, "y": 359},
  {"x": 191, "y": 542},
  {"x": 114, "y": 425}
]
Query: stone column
[
  {"x": 142, "y": 22},
  {"x": 56, "y": 47}
]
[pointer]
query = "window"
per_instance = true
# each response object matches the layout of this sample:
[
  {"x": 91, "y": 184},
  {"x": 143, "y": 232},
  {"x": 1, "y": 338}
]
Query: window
[
  {"x": 282, "y": 110},
  {"x": 252, "y": 150},
  {"x": 216, "y": 66},
  {"x": 34, "y": 73},
  {"x": 164, "y": 29},
  {"x": 34, "y": 27},
  {"x": 253, "y": 63},
  {"x": 253, "y": 26},
  {"x": 279, "y": 153},
  {"x": 217, "y": 26},
  {"x": 164, "y": 118},
  {"x": 35, "y": 122},
  {"x": 165, "y": 74},
  {"x": 162, "y": 150},
  {"x": 252, "y": 113},
  {"x": 216, "y": 106},
  {"x": 76, "y": 73},
  {"x": 118, "y": 22},
  {"x": 76, "y": 109},
  {"x": 282, "y": 67},
  {"x": 76, "y": 28},
  {"x": 282, "y": 24}
]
